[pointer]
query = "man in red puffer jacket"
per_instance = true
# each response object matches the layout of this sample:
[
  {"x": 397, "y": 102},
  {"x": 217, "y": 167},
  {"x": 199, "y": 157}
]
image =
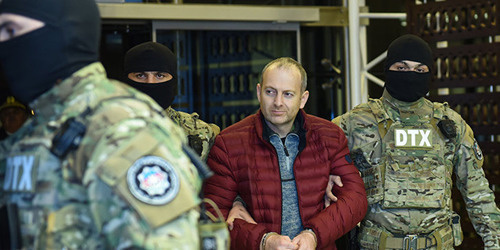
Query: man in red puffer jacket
[{"x": 279, "y": 161}]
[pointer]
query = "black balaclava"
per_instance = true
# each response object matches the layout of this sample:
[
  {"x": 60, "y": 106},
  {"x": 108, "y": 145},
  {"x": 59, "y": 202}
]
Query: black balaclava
[
  {"x": 151, "y": 56},
  {"x": 35, "y": 61},
  {"x": 408, "y": 86}
]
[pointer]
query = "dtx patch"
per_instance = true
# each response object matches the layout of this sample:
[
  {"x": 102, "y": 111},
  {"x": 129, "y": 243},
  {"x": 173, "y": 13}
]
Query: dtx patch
[
  {"x": 153, "y": 180},
  {"x": 477, "y": 150},
  {"x": 413, "y": 138},
  {"x": 20, "y": 174}
]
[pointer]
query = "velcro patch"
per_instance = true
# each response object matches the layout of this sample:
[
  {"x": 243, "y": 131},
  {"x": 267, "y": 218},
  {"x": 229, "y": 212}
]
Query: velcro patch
[
  {"x": 152, "y": 180},
  {"x": 477, "y": 151}
]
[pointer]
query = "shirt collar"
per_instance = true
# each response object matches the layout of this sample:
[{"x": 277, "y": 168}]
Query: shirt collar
[{"x": 296, "y": 128}]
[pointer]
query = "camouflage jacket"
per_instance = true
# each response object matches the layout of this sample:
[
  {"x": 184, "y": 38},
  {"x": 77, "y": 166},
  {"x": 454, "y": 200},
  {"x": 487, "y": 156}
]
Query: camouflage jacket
[
  {"x": 201, "y": 135},
  {"x": 406, "y": 163},
  {"x": 128, "y": 183}
]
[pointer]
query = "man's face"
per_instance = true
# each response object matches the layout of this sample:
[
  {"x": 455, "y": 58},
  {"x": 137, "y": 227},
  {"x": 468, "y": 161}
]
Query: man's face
[
  {"x": 150, "y": 76},
  {"x": 12, "y": 118},
  {"x": 281, "y": 97},
  {"x": 13, "y": 25}
]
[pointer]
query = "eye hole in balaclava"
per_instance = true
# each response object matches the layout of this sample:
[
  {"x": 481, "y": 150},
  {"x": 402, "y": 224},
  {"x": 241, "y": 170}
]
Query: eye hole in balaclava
[
  {"x": 152, "y": 56},
  {"x": 68, "y": 41},
  {"x": 408, "y": 86}
]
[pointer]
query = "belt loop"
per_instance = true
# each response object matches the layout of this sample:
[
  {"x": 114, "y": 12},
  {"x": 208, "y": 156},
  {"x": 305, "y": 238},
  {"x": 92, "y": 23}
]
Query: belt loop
[{"x": 382, "y": 241}]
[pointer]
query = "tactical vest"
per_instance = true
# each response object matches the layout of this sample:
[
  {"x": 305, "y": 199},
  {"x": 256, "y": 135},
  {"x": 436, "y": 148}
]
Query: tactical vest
[
  {"x": 33, "y": 177},
  {"x": 414, "y": 168},
  {"x": 39, "y": 177}
]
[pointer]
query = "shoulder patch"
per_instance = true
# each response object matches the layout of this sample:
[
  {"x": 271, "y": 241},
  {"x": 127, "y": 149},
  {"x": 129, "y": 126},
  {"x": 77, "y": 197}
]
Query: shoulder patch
[
  {"x": 477, "y": 151},
  {"x": 153, "y": 180}
]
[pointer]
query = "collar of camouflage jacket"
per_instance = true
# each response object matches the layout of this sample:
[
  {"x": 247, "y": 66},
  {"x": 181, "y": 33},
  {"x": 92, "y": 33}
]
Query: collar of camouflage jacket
[
  {"x": 46, "y": 104},
  {"x": 400, "y": 105},
  {"x": 399, "y": 110}
]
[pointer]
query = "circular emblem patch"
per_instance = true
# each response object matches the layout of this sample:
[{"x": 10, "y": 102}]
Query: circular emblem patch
[
  {"x": 153, "y": 180},
  {"x": 477, "y": 150}
]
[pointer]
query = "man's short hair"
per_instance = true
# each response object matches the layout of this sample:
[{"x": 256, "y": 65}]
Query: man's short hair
[{"x": 287, "y": 63}]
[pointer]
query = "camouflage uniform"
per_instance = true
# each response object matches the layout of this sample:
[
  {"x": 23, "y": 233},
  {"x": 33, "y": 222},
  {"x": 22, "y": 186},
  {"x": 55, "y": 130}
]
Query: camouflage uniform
[
  {"x": 201, "y": 135},
  {"x": 127, "y": 184},
  {"x": 407, "y": 162}
]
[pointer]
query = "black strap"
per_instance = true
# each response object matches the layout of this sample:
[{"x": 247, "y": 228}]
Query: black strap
[
  {"x": 68, "y": 137},
  {"x": 202, "y": 168}
]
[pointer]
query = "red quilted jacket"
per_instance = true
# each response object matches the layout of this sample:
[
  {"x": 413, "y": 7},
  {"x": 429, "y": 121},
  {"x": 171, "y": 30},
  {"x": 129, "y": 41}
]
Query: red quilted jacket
[{"x": 245, "y": 163}]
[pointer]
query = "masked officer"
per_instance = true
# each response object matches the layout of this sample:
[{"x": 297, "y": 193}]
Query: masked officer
[
  {"x": 151, "y": 67},
  {"x": 407, "y": 149},
  {"x": 98, "y": 166}
]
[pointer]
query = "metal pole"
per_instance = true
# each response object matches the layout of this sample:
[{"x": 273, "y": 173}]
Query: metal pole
[
  {"x": 364, "y": 72},
  {"x": 364, "y": 57},
  {"x": 368, "y": 66},
  {"x": 347, "y": 64},
  {"x": 299, "y": 50},
  {"x": 374, "y": 79},
  {"x": 383, "y": 15},
  {"x": 354, "y": 55},
  {"x": 376, "y": 60},
  {"x": 153, "y": 33}
]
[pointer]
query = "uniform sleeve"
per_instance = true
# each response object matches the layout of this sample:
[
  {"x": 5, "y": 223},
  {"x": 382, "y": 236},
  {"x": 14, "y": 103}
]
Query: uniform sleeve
[
  {"x": 341, "y": 216},
  {"x": 201, "y": 135},
  {"x": 143, "y": 189},
  {"x": 474, "y": 187},
  {"x": 343, "y": 122}
]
